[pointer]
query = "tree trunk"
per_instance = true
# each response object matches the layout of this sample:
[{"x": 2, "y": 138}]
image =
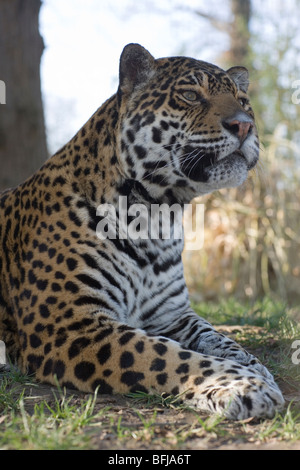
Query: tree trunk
[
  {"x": 238, "y": 53},
  {"x": 23, "y": 145}
]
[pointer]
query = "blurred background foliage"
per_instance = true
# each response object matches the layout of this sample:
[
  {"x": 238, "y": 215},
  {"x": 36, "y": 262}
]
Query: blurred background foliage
[{"x": 252, "y": 234}]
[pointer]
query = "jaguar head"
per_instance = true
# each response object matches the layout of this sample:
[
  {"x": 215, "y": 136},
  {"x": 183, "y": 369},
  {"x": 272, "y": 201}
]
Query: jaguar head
[{"x": 186, "y": 127}]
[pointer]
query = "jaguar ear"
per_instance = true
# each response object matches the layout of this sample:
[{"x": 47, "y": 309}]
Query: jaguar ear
[
  {"x": 136, "y": 67},
  {"x": 240, "y": 76}
]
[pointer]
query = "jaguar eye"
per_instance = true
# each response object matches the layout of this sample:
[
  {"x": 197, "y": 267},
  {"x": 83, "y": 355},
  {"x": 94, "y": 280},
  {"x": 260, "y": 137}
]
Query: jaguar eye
[
  {"x": 243, "y": 102},
  {"x": 190, "y": 95}
]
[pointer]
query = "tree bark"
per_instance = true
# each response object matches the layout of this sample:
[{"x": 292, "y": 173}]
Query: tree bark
[
  {"x": 238, "y": 53},
  {"x": 23, "y": 145}
]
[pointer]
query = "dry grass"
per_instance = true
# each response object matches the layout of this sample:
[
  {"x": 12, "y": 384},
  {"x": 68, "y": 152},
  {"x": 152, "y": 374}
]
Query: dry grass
[{"x": 252, "y": 234}]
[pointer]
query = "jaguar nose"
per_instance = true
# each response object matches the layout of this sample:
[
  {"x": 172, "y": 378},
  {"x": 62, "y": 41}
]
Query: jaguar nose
[{"x": 240, "y": 129}]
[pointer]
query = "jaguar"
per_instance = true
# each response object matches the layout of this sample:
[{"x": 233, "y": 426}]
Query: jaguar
[{"x": 112, "y": 313}]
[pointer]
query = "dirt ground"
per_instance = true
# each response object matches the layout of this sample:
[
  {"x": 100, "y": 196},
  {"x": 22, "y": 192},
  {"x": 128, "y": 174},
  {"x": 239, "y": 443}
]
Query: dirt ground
[{"x": 122, "y": 426}]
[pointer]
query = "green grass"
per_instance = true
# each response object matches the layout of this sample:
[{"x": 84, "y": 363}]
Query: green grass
[
  {"x": 267, "y": 312},
  {"x": 57, "y": 425},
  {"x": 284, "y": 427},
  {"x": 31, "y": 420}
]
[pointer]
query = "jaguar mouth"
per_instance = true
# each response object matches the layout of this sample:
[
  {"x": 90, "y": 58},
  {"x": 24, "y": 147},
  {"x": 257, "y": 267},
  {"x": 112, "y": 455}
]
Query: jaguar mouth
[
  {"x": 199, "y": 167},
  {"x": 194, "y": 167}
]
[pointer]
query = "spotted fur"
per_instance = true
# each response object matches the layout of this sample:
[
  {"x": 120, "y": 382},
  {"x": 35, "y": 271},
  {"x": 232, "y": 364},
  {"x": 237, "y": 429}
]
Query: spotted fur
[{"x": 114, "y": 314}]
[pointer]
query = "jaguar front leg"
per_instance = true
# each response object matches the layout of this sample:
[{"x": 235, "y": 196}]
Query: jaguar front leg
[
  {"x": 197, "y": 334},
  {"x": 114, "y": 358}
]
